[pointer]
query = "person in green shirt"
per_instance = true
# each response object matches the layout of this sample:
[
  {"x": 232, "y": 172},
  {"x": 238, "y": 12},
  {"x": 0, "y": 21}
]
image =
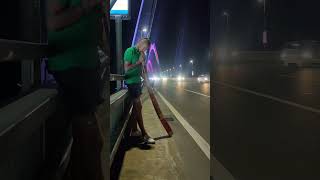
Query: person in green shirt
[
  {"x": 134, "y": 58},
  {"x": 73, "y": 38}
]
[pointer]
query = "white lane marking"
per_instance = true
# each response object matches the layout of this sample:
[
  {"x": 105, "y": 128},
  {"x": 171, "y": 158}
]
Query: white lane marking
[
  {"x": 204, "y": 146},
  {"x": 197, "y": 93},
  {"x": 308, "y": 93},
  {"x": 270, "y": 97}
]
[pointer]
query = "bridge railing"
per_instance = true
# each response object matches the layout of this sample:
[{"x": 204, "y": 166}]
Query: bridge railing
[
  {"x": 120, "y": 112},
  {"x": 31, "y": 139}
]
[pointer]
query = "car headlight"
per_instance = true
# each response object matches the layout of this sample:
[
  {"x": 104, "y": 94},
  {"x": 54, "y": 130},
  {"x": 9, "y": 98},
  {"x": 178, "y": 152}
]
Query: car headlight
[
  {"x": 180, "y": 78},
  {"x": 154, "y": 78}
]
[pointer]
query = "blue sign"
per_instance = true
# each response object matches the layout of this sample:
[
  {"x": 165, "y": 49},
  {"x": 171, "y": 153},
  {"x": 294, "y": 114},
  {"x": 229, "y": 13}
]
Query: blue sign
[{"x": 120, "y": 8}]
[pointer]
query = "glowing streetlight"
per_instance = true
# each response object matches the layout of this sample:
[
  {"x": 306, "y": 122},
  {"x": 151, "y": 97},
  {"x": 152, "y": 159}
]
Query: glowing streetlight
[
  {"x": 144, "y": 29},
  {"x": 191, "y": 62}
]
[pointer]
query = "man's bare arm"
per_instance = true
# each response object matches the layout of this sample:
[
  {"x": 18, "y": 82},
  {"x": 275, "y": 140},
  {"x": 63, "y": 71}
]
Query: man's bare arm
[{"x": 128, "y": 66}]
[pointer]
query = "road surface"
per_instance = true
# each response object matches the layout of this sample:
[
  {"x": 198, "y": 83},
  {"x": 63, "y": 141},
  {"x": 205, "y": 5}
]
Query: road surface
[
  {"x": 266, "y": 120},
  {"x": 191, "y": 101}
]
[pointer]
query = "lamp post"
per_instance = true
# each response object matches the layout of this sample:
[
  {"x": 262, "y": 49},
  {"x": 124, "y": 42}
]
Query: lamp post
[
  {"x": 227, "y": 15},
  {"x": 265, "y": 32},
  {"x": 191, "y": 62},
  {"x": 144, "y": 30}
]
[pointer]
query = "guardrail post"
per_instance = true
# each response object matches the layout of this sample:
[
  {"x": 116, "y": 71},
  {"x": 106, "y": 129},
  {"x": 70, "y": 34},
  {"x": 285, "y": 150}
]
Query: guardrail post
[{"x": 119, "y": 50}]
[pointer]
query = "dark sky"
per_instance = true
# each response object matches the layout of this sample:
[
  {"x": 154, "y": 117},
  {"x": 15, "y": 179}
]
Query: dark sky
[
  {"x": 181, "y": 32},
  {"x": 287, "y": 20}
]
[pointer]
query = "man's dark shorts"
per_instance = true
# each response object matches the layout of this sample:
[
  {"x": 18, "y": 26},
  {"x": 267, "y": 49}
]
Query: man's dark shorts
[
  {"x": 79, "y": 88},
  {"x": 135, "y": 90}
]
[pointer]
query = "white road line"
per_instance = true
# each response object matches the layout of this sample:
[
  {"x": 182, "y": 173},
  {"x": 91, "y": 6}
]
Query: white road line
[
  {"x": 270, "y": 97},
  {"x": 204, "y": 146},
  {"x": 197, "y": 93}
]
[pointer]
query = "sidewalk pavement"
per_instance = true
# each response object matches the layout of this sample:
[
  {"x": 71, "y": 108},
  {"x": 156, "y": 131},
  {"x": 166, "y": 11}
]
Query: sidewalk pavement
[{"x": 161, "y": 161}]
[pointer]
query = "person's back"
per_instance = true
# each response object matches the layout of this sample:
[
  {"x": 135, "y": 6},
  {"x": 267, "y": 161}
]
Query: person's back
[
  {"x": 73, "y": 40},
  {"x": 76, "y": 44}
]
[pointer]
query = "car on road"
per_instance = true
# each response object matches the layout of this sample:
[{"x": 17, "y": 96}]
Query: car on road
[
  {"x": 204, "y": 78},
  {"x": 301, "y": 53},
  {"x": 180, "y": 77}
]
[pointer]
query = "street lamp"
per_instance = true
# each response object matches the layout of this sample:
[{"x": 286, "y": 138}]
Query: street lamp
[
  {"x": 227, "y": 15},
  {"x": 191, "y": 62},
  {"x": 264, "y": 33},
  {"x": 144, "y": 30}
]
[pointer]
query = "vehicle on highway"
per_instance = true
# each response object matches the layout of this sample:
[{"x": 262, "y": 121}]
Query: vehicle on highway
[
  {"x": 301, "y": 53},
  {"x": 204, "y": 78},
  {"x": 180, "y": 77},
  {"x": 154, "y": 78}
]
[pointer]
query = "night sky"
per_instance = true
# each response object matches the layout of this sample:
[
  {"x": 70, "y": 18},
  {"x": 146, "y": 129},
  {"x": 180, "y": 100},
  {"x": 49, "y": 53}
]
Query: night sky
[
  {"x": 181, "y": 31},
  {"x": 288, "y": 20}
]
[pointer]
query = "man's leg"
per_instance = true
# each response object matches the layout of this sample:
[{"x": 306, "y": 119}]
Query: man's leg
[
  {"x": 86, "y": 130},
  {"x": 137, "y": 105},
  {"x": 86, "y": 149},
  {"x": 138, "y": 108},
  {"x": 133, "y": 121}
]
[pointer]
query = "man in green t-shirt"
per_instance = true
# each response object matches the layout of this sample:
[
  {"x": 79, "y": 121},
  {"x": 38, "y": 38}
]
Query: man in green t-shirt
[
  {"x": 73, "y": 38},
  {"x": 134, "y": 58}
]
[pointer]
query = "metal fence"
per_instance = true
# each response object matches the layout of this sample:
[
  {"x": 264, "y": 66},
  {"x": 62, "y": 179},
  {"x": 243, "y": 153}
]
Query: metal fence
[{"x": 120, "y": 112}]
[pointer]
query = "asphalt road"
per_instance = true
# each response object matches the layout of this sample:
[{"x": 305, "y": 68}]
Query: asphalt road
[
  {"x": 266, "y": 121},
  {"x": 192, "y": 101}
]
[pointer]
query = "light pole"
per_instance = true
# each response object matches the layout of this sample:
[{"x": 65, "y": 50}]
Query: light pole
[
  {"x": 180, "y": 68},
  {"x": 144, "y": 30},
  {"x": 227, "y": 34},
  {"x": 191, "y": 62},
  {"x": 227, "y": 15},
  {"x": 264, "y": 33}
]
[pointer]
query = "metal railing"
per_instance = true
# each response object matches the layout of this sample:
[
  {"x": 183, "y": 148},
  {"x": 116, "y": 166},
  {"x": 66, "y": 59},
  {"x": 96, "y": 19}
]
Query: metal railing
[
  {"x": 26, "y": 122},
  {"x": 120, "y": 112}
]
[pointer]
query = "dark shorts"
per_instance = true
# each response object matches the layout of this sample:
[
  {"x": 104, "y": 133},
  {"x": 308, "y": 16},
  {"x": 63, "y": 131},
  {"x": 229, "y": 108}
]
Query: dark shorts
[
  {"x": 135, "y": 90},
  {"x": 79, "y": 89}
]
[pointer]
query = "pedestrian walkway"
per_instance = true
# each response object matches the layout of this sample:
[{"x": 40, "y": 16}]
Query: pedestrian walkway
[{"x": 161, "y": 161}]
